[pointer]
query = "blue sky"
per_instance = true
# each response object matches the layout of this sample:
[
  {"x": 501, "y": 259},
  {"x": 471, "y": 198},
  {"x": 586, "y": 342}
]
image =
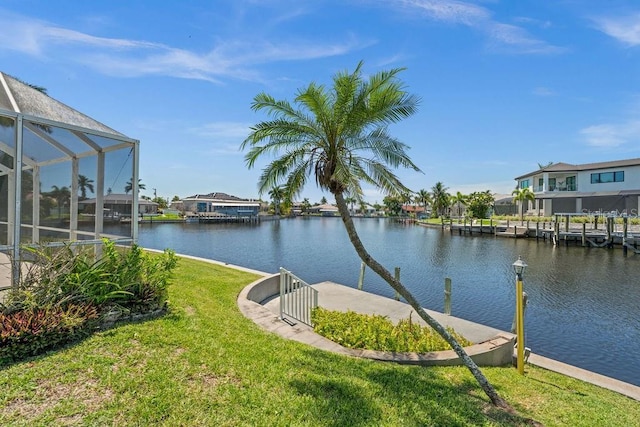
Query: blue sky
[{"x": 504, "y": 85}]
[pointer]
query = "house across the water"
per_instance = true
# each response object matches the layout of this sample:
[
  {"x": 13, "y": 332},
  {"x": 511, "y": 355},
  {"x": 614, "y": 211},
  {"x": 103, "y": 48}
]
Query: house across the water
[
  {"x": 117, "y": 206},
  {"x": 592, "y": 187},
  {"x": 219, "y": 203}
]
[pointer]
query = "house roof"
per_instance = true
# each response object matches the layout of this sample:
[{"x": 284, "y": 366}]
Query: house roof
[
  {"x": 566, "y": 167},
  {"x": 325, "y": 208},
  {"x": 415, "y": 209},
  {"x": 218, "y": 196},
  {"x": 124, "y": 199}
]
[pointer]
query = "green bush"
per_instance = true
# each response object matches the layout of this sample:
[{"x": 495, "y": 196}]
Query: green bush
[
  {"x": 66, "y": 290},
  {"x": 31, "y": 332},
  {"x": 127, "y": 278},
  {"x": 376, "y": 332}
]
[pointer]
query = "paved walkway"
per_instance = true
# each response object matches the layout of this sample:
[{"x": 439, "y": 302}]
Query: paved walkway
[{"x": 338, "y": 297}]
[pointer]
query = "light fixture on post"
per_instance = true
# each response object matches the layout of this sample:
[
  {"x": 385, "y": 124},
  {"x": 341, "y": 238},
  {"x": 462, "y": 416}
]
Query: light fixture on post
[{"x": 518, "y": 267}]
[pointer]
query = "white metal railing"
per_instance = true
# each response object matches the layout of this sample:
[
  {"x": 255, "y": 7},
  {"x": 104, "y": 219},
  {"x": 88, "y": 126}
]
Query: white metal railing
[{"x": 297, "y": 298}]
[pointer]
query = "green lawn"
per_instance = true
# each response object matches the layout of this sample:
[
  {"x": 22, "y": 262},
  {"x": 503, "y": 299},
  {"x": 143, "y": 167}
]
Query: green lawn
[{"x": 205, "y": 364}]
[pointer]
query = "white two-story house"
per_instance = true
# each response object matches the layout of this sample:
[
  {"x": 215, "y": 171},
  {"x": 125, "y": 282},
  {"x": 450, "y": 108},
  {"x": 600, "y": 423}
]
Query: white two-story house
[{"x": 606, "y": 186}]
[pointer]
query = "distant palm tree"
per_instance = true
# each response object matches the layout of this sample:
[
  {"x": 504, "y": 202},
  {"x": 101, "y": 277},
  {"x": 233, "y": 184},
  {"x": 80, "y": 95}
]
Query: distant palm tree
[
  {"x": 340, "y": 137},
  {"x": 522, "y": 195},
  {"x": 363, "y": 207},
  {"x": 351, "y": 201},
  {"x": 545, "y": 165},
  {"x": 306, "y": 204},
  {"x": 440, "y": 198},
  {"x": 423, "y": 198},
  {"x": 277, "y": 195},
  {"x": 129, "y": 186},
  {"x": 62, "y": 195},
  {"x": 84, "y": 184}
]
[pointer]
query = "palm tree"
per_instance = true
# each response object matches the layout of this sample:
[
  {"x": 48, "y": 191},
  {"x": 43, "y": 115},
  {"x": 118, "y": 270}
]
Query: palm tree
[
  {"x": 522, "y": 195},
  {"x": 129, "y": 186},
  {"x": 277, "y": 195},
  {"x": 306, "y": 204},
  {"x": 351, "y": 201},
  {"x": 84, "y": 184},
  {"x": 423, "y": 198},
  {"x": 340, "y": 137},
  {"x": 61, "y": 196},
  {"x": 363, "y": 207},
  {"x": 459, "y": 200},
  {"x": 440, "y": 198}
]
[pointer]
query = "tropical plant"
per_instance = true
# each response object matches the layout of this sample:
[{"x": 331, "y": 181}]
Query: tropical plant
[
  {"x": 522, "y": 195},
  {"x": 305, "y": 205},
  {"x": 340, "y": 137},
  {"x": 440, "y": 198},
  {"x": 61, "y": 195},
  {"x": 393, "y": 204},
  {"x": 129, "y": 186},
  {"x": 423, "y": 198},
  {"x": 84, "y": 184},
  {"x": 351, "y": 201},
  {"x": 479, "y": 203},
  {"x": 323, "y": 201},
  {"x": 545, "y": 165},
  {"x": 363, "y": 207},
  {"x": 277, "y": 195}
]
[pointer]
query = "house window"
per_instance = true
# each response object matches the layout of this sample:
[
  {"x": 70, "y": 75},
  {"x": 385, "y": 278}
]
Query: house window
[
  {"x": 571, "y": 183},
  {"x": 604, "y": 177},
  {"x": 524, "y": 183},
  {"x": 552, "y": 184}
]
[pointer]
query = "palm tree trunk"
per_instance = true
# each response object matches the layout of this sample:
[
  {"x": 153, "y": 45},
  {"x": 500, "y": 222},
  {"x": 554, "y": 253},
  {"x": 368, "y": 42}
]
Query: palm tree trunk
[{"x": 398, "y": 287}]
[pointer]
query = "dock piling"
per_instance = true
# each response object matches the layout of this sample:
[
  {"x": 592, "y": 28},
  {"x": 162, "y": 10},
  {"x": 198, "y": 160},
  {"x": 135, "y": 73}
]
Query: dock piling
[
  {"x": 397, "y": 276},
  {"x": 447, "y": 296},
  {"x": 361, "y": 278}
]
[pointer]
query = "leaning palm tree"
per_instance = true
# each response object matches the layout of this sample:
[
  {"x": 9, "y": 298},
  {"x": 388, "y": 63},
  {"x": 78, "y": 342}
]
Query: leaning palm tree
[
  {"x": 339, "y": 137},
  {"x": 522, "y": 195}
]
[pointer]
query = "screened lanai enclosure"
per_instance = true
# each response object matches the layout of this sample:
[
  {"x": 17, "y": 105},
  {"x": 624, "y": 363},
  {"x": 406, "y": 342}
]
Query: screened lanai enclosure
[{"x": 57, "y": 167}]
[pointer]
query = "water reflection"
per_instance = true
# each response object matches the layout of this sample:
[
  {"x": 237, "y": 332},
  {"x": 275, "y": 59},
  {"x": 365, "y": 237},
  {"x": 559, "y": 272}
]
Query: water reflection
[{"x": 583, "y": 302}]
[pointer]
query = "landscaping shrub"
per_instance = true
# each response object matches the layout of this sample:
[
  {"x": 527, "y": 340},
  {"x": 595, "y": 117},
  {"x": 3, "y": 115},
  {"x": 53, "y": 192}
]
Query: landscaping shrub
[
  {"x": 66, "y": 293},
  {"x": 127, "y": 278},
  {"x": 376, "y": 332},
  {"x": 31, "y": 332}
]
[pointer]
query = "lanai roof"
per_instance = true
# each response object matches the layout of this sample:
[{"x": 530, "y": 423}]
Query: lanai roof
[
  {"x": 19, "y": 97},
  {"x": 55, "y": 131}
]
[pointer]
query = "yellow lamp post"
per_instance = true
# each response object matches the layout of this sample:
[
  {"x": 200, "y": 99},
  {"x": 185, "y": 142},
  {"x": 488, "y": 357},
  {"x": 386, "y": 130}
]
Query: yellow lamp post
[{"x": 519, "y": 266}]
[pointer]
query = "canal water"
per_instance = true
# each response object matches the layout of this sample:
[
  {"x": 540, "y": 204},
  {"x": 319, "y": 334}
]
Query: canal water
[{"x": 584, "y": 303}]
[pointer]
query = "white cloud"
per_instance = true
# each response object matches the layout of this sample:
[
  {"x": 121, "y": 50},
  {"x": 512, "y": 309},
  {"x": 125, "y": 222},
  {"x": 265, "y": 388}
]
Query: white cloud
[
  {"x": 543, "y": 91},
  {"x": 503, "y": 36},
  {"x": 133, "y": 58},
  {"x": 611, "y": 135},
  {"x": 222, "y": 130},
  {"x": 625, "y": 29}
]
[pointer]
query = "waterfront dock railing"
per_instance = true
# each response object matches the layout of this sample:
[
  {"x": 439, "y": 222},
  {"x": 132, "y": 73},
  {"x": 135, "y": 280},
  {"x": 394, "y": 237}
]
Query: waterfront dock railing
[{"x": 297, "y": 298}]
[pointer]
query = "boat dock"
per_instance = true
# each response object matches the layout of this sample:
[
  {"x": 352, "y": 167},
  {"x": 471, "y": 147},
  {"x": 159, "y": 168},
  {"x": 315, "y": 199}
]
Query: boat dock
[
  {"x": 218, "y": 217},
  {"x": 560, "y": 231}
]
